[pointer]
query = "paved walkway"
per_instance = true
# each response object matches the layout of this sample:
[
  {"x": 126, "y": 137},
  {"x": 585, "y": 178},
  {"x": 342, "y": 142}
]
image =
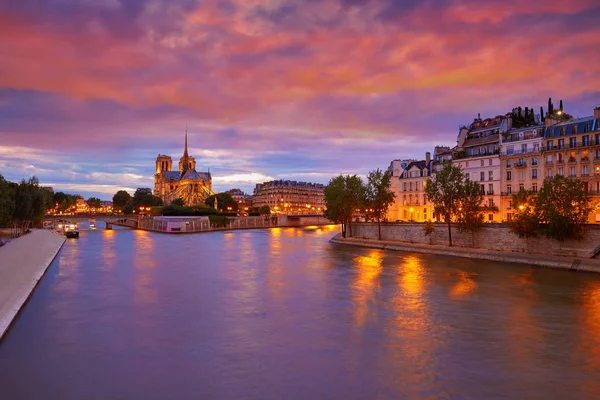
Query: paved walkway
[
  {"x": 23, "y": 261},
  {"x": 572, "y": 263}
]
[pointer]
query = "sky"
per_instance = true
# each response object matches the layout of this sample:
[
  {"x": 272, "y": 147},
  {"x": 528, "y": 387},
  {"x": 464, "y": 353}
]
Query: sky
[{"x": 92, "y": 90}]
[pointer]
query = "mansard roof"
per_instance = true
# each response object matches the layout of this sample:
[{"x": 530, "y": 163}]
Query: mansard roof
[{"x": 582, "y": 124}]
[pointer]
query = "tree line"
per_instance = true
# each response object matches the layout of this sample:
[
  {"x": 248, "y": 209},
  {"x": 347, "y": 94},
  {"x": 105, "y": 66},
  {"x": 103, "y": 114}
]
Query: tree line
[
  {"x": 559, "y": 210},
  {"x": 23, "y": 204},
  {"x": 348, "y": 195}
]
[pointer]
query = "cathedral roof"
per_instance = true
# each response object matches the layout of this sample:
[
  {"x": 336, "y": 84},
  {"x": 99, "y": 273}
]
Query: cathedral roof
[{"x": 192, "y": 174}]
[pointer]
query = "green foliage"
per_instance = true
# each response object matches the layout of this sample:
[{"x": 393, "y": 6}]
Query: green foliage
[
  {"x": 562, "y": 207},
  {"x": 525, "y": 222},
  {"x": 449, "y": 191},
  {"x": 29, "y": 202},
  {"x": 428, "y": 228},
  {"x": 120, "y": 199},
  {"x": 178, "y": 202},
  {"x": 64, "y": 201},
  {"x": 144, "y": 197},
  {"x": 264, "y": 210},
  {"x": 7, "y": 201},
  {"x": 344, "y": 194},
  {"x": 224, "y": 201},
  {"x": 94, "y": 202},
  {"x": 378, "y": 196},
  {"x": 469, "y": 216},
  {"x": 220, "y": 221}
]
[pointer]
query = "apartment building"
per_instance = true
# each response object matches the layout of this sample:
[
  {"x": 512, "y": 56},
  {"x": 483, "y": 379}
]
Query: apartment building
[
  {"x": 478, "y": 155},
  {"x": 520, "y": 164},
  {"x": 409, "y": 187},
  {"x": 290, "y": 197},
  {"x": 572, "y": 149}
]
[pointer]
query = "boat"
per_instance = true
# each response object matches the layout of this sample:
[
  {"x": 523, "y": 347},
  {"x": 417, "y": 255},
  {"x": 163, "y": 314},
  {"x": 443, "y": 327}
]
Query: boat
[
  {"x": 71, "y": 231},
  {"x": 92, "y": 223}
]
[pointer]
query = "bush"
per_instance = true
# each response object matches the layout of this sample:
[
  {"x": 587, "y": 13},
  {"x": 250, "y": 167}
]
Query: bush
[
  {"x": 219, "y": 221},
  {"x": 428, "y": 228},
  {"x": 194, "y": 211}
]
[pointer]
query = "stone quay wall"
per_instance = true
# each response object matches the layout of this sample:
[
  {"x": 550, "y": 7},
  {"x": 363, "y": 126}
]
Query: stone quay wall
[{"x": 495, "y": 237}]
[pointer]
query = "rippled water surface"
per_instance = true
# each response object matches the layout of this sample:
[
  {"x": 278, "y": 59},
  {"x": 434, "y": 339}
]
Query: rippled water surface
[{"x": 282, "y": 313}]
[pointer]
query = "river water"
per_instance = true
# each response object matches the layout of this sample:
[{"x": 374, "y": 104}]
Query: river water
[{"x": 284, "y": 314}]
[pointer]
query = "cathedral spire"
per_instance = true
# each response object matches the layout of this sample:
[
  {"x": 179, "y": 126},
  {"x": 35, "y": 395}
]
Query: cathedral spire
[
  {"x": 186, "y": 159},
  {"x": 185, "y": 152}
]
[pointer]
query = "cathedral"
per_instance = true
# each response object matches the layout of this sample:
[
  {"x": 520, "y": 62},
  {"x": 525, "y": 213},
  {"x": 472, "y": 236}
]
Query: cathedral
[{"x": 191, "y": 186}]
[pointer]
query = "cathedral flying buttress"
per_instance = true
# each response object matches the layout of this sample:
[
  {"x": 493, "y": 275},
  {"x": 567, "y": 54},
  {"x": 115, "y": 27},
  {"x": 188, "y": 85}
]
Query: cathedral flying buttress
[{"x": 186, "y": 183}]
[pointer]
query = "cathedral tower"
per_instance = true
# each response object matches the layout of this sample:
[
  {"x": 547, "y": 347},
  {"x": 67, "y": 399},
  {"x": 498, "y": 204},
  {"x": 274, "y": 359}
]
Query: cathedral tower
[{"x": 186, "y": 163}]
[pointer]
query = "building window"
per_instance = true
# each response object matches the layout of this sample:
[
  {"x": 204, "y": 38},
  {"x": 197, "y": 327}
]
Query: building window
[
  {"x": 534, "y": 161},
  {"x": 482, "y": 163},
  {"x": 521, "y": 187},
  {"x": 482, "y": 188},
  {"x": 508, "y": 216},
  {"x": 490, "y": 175},
  {"x": 549, "y": 159},
  {"x": 509, "y": 175},
  {"x": 490, "y": 161},
  {"x": 508, "y": 163},
  {"x": 510, "y": 204},
  {"x": 524, "y": 148},
  {"x": 410, "y": 186},
  {"x": 584, "y": 170},
  {"x": 521, "y": 175},
  {"x": 490, "y": 189},
  {"x": 549, "y": 173},
  {"x": 572, "y": 156},
  {"x": 561, "y": 143},
  {"x": 561, "y": 171},
  {"x": 404, "y": 186},
  {"x": 509, "y": 189},
  {"x": 574, "y": 130},
  {"x": 467, "y": 166},
  {"x": 573, "y": 142},
  {"x": 468, "y": 175},
  {"x": 482, "y": 176},
  {"x": 534, "y": 187},
  {"x": 534, "y": 174},
  {"x": 536, "y": 147},
  {"x": 490, "y": 217},
  {"x": 549, "y": 144},
  {"x": 572, "y": 173},
  {"x": 597, "y": 154},
  {"x": 424, "y": 213},
  {"x": 585, "y": 140}
]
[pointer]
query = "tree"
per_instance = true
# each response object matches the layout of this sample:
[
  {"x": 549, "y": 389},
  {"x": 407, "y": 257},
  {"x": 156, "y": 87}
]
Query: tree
[
  {"x": 264, "y": 210},
  {"x": 120, "y": 199},
  {"x": 63, "y": 201},
  {"x": 30, "y": 204},
  {"x": 224, "y": 201},
  {"x": 94, "y": 202},
  {"x": 344, "y": 194},
  {"x": 524, "y": 222},
  {"x": 550, "y": 106},
  {"x": 562, "y": 207},
  {"x": 378, "y": 196},
  {"x": 469, "y": 216},
  {"x": 7, "y": 202},
  {"x": 445, "y": 191},
  {"x": 542, "y": 113},
  {"x": 178, "y": 202},
  {"x": 144, "y": 197}
]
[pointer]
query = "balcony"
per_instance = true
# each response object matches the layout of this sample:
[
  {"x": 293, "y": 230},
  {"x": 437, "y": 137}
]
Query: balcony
[
  {"x": 534, "y": 177},
  {"x": 550, "y": 162},
  {"x": 572, "y": 160},
  {"x": 506, "y": 193},
  {"x": 490, "y": 192},
  {"x": 560, "y": 161},
  {"x": 521, "y": 164},
  {"x": 585, "y": 175}
]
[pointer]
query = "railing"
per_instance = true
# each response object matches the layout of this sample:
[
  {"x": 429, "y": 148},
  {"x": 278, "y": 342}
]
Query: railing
[
  {"x": 517, "y": 152},
  {"x": 506, "y": 193},
  {"x": 520, "y": 165},
  {"x": 490, "y": 192},
  {"x": 569, "y": 146},
  {"x": 548, "y": 162}
]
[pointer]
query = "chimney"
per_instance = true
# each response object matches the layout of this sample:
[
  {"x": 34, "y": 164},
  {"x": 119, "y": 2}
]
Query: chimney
[
  {"x": 597, "y": 112},
  {"x": 427, "y": 159}
]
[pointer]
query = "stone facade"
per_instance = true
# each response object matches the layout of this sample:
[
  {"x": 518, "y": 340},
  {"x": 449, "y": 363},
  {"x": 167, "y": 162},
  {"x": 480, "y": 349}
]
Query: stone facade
[
  {"x": 492, "y": 237},
  {"x": 186, "y": 183},
  {"x": 408, "y": 182},
  {"x": 290, "y": 197}
]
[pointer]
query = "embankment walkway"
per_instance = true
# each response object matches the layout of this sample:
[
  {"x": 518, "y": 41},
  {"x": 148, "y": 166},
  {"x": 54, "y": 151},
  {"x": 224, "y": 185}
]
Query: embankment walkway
[
  {"x": 570, "y": 263},
  {"x": 23, "y": 262}
]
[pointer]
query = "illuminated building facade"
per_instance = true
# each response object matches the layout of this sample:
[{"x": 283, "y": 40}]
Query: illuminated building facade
[
  {"x": 186, "y": 183},
  {"x": 290, "y": 197}
]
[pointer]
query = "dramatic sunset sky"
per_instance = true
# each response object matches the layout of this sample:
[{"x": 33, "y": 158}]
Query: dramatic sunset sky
[{"x": 92, "y": 90}]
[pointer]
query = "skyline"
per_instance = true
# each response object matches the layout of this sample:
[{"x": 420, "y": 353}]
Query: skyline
[{"x": 92, "y": 91}]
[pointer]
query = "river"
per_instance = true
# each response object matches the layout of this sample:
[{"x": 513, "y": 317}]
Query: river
[{"x": 283, "y": 313}]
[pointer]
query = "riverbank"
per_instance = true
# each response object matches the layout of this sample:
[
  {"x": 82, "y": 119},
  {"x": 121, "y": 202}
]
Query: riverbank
[
  {"x": 569, "y": 263},
  {"x": 23, "y": 262}
]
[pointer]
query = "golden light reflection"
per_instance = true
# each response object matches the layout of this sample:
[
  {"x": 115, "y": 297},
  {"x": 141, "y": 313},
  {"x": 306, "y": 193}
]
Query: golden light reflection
[
  {"x": 590, "y": 336},
  {"x": 412, "y": 276},
  {"x": 464, "y": 286},
  {"x": 369, "y": 268}
]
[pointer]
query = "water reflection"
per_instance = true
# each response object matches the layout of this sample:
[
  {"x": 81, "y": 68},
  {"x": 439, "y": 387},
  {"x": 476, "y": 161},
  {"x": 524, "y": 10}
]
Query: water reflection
[
  {"x": 368, "y": 268},
  {"x": 282, "y": 313}
]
